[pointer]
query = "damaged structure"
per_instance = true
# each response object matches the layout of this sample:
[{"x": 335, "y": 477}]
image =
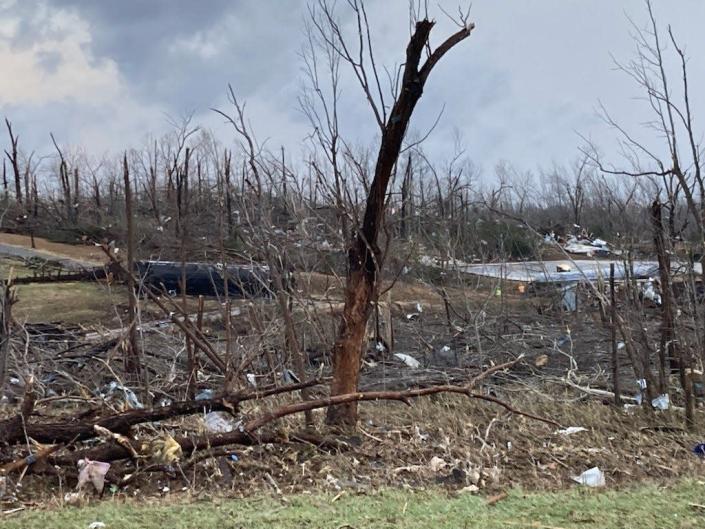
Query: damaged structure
[
  {"x": 204, "y": 279},
  {"x": 564, "y": 276}
]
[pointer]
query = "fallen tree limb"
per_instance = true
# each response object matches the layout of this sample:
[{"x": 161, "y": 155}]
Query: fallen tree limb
[
  {"x": 248, "y": 436},
  {"x": 14, "y": 430},
  {"x": 31, "y": 459},
  {"x": 402, "y": 396}
]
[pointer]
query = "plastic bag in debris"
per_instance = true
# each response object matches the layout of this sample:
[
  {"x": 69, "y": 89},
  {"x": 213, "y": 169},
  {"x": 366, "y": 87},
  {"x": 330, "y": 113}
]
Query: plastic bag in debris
[
  {"x": 661, "y": 402},
  {"x": 218, "y": 422},
  {"x": 408, "y": 360},
  {"x": 648, "y": 291},
  {"x": 114, "y": 389},
  {"x": 206, "y": 394},
  {"x": 571, "y": 430},
  {"x": 699, "y": 450},
  {"x": 593, "y": 477},
  {"x": 93, "y": 472},
  {"x": 251, "y": 380}
]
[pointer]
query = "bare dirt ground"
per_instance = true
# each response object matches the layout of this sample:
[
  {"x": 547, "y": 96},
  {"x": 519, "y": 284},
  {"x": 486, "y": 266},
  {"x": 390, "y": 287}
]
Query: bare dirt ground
[{"x": 88, "y": 254}]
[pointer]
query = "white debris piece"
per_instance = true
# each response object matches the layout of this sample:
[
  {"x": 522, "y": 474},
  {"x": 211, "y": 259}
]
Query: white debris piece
[
  {"x": 251, "y": 380},
  {"x": 408, "y": 360},
  {"x": 648, "y": 291},
  {"x": 571, "y": 430},
  {"x": 436, "y": 464},
  {"x": 218, "y": 422},
  {"x": 92, "y": 472},
  {"x": 593, "y": 477},
  {"x": 662, "y": 402},
  {"x": 97, "y": 525}
]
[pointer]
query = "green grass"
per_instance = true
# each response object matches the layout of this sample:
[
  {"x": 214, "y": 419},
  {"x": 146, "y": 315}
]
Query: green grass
[{"x": 645, "y": 507}]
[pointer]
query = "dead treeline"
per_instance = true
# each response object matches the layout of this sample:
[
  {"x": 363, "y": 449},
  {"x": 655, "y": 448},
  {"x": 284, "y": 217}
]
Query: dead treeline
[{"x": 369, "y": 216}]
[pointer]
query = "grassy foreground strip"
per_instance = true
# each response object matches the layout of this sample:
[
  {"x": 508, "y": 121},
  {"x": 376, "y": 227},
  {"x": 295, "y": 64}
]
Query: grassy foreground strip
[{"x": 645, "y": 507}]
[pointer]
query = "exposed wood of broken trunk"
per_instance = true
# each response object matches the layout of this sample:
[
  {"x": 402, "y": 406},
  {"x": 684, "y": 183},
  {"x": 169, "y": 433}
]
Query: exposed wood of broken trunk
[{"x": 364, "y": 255}]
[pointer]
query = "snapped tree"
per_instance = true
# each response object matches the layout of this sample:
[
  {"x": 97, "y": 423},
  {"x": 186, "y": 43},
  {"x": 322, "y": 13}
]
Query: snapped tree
[{"x": 364, "y": 255}]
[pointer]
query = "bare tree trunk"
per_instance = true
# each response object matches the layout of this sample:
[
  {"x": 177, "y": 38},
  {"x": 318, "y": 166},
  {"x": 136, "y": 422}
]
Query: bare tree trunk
[
  {"x": 405, "y": 197},
  {"x": 14, "y": 161},
  {"x": 75, "y": 209},
  {"x": 6, "y": 300},
  {"x": 669, "y": 352},
  {"x": 364, "y": 255},
  {"x": 4, "y": 179},
  {"x": 228, "y": 196},
  {"x": 613, "y": 332},
  {"x": 666, "y": 348},
  {"x": 132, "y": 356}
]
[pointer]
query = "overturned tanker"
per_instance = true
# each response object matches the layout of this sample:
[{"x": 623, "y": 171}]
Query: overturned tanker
[{"x": 204, "y": 279}]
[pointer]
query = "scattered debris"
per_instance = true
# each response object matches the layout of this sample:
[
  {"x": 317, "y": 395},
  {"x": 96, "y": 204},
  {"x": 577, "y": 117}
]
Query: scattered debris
[
  {"x": 594, "y": 248},
  {"x": 114, "y": 389},
  {"x": 649, "y": 291},
  {"x": 206, "y": 394},
  {"x": 93, "y": 472},
  {"x": 662, "y": 402},
  {"x": 163, "y": 450},
  {"x": 97, "y": 525},
  {"x": 74, "y": 499},
  {"x": 289, "y": 377},
  {"x": 593, "y": 477},
  {"x": 571, "y": 430},
  {"x": 423, "y": 437},
  {"x": 541, "y": 360},
  {"x": 408, "y": 360},
  {"x": 219, "y": 422},
  {"x": 699, "y": 450},
  {"x": 437, "y": 464}
]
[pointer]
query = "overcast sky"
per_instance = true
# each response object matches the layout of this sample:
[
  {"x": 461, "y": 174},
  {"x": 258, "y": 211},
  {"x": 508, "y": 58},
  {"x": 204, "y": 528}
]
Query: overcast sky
[{"x": 104, "y": 74}]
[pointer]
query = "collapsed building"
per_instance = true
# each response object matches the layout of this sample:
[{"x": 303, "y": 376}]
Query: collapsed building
[{"x": 564, "y": 276}]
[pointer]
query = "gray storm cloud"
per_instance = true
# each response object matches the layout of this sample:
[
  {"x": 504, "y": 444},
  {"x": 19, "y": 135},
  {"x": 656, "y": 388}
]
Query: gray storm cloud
[{"x": 106, "y": 74}]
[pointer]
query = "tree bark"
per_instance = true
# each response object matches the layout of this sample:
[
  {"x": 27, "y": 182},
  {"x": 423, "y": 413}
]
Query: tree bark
[
  {"x": 364, "y": 255},
  {"x": 132, "y": 356},
  {"x": 14, "y": 161}
]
